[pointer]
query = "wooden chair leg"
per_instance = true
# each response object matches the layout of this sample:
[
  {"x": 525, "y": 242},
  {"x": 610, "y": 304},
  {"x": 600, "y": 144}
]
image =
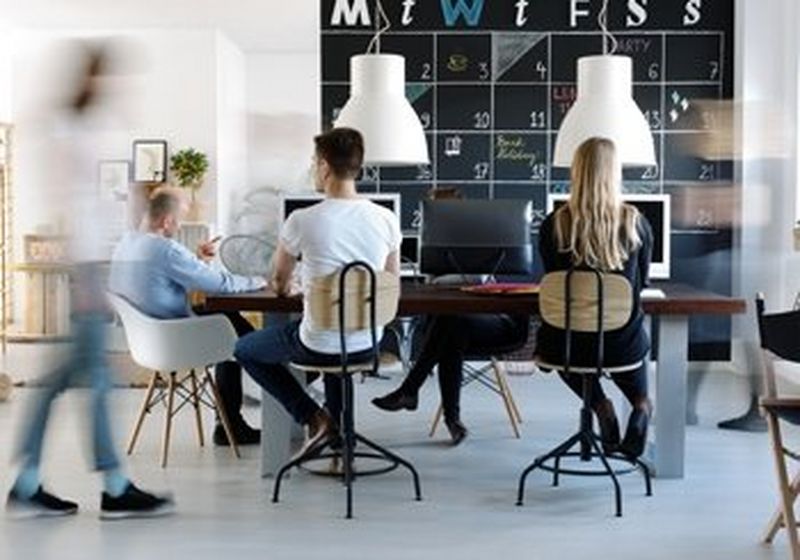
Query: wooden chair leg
[
  {"x": 436, "y": 419},
  {"x": 196, "y": 403},
  {"x": 511, "y": 417},
  {"x": 776, "y": 522},
  {"x": 226, "y": 425},
  {"x": 143, "y": 411},
  {"x": 787, "y": 499},
  {"x": 507, "y": 388},
  {"x": 168, "y": 419}
]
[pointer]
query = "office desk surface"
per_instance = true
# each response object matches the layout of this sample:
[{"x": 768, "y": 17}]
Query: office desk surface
[{"x": 427, "y": 299}]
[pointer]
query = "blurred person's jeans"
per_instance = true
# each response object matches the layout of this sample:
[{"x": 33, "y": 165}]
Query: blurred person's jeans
[{"x": 85, "y": 363}]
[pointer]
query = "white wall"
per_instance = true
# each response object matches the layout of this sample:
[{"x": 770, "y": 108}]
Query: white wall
[
  {"x": 231, "y": 130},
  {"x": 283, "y": 101},
  {"x": 176, "y": 97},
  {"x": 5, "y": 75}
]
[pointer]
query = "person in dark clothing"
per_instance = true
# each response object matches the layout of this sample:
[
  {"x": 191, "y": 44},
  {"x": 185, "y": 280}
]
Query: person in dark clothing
[
  {"x": 447, "y": 340},
  {"x": 595, "y": 229}
]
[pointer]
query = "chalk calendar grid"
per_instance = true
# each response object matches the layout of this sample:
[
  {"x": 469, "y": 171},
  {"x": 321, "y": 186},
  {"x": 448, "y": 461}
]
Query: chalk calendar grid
[
  {"x": 491, "y": 104},
  {"x": 492, "y": 94}
]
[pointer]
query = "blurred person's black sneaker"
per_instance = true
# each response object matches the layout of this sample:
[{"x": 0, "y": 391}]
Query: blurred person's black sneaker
[
  {"x": 41, "y": 504},
  {"x": 135, "y": 503}
]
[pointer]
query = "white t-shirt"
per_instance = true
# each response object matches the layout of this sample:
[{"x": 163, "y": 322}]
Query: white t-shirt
[{"x": 330, "y": 234}]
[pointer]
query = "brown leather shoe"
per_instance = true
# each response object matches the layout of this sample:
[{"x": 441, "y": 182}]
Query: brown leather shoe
[
  {"x": 636, "y": 433},
  {"x": 319, "y": 427},
  {"x": 609, "y": 427},
  {"x": 458, "y": 431}
]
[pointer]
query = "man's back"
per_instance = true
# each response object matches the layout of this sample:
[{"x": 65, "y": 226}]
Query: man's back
[
  {"x": 331, "y": 234},
  {"x": 155, "y": 273}
]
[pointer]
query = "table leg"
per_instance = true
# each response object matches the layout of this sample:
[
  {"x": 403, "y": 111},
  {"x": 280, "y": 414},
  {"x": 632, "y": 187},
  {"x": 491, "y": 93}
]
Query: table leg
[
  {"x": 405, "y": 339},
  {"x": 276, "y": 435},
  {"x": 671, "y": 390},
  {"x": 277, "y": 426}
]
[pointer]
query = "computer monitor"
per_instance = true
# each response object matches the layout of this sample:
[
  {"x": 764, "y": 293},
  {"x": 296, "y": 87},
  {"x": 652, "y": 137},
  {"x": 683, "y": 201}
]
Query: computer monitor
[
  {"x": 654, "y": 207},
  {"x": 476, "y": 237},
  {"x": 292, "y": 202},
  {"x": 409, "y": 251}
]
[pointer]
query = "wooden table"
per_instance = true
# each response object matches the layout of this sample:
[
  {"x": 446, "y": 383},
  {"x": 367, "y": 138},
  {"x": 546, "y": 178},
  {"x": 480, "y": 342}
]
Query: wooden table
[{"x": 672, "y": 311}]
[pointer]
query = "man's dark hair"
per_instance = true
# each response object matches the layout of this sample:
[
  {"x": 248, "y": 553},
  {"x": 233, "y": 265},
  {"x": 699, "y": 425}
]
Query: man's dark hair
[{"x": 343, "y": 150}]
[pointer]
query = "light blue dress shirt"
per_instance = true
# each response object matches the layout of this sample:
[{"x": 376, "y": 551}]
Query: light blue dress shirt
[{"x": 155, "y": 274}]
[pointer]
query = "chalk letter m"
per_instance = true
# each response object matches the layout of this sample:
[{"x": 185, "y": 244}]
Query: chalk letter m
[
  {"x": 352, "y": 13},
  {"x": 471, "y": 13}
]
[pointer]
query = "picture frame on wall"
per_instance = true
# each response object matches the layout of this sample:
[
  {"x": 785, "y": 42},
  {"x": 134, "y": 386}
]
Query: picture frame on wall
[
  {"x": 149, "y": 161},
  {"x": 113, "y": 179}
]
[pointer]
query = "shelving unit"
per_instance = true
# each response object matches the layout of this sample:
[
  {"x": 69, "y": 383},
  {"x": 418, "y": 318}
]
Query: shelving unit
[{"x": 6, "y": 231}]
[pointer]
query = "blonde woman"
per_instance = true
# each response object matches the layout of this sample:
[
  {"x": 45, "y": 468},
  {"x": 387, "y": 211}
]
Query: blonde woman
[{"x": 596, "y": 229}]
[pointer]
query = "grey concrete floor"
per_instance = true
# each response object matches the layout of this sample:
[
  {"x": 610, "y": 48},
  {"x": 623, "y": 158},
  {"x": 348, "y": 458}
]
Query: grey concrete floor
[{"x": 468, "y": 511}]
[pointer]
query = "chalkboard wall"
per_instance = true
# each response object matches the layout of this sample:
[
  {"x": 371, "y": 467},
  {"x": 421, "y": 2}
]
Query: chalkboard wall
[{"x": 491, "y": 81}]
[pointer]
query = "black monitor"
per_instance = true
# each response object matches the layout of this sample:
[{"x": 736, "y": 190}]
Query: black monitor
[
  {"x": 476, "y": 237},
  {"x": 292, "y": 202},
  {"x": 409, "y": 250},
  {"x": 654, "y": 207}
]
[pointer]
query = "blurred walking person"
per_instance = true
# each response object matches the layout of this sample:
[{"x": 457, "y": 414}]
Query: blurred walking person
[{"x": 76, "y": 135}]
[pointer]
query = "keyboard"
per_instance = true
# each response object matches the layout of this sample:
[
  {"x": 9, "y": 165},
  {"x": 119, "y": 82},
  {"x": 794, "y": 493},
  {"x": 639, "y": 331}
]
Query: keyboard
[{"x": 653, "y": 293}]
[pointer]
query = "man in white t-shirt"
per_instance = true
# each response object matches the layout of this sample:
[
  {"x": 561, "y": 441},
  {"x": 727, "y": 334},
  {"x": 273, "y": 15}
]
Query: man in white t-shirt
[{"x": 342, "y": 228}]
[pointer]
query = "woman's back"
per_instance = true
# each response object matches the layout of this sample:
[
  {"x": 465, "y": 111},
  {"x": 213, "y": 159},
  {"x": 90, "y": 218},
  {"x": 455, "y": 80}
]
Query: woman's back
[{"x": 595, "y": 229}]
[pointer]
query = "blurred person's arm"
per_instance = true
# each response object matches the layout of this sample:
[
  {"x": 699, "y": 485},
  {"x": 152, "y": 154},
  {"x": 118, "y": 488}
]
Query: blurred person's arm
[{"x": 193, "y": 274}]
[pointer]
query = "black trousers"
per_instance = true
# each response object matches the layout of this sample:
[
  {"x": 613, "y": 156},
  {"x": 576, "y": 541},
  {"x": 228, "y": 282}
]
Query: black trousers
[
  {"x": 633, "y": 385},
  {"x": 448, "y": 339},
  {"x": 228, "y": 375}
]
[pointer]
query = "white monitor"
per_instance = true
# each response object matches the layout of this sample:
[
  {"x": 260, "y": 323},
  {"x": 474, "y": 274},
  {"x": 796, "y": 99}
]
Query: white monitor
[
  {"x": 292, "y": 202},
  {"x": 656, "y": 208}
]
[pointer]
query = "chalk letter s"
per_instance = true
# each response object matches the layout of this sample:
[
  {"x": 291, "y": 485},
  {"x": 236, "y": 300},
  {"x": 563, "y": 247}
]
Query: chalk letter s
[
  {"x": 692, "y": 16},
  {"x": 638, "y": 13}
]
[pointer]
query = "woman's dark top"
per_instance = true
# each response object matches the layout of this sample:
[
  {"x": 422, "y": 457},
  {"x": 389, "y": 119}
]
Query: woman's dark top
[{"x": 624, "y": 346}]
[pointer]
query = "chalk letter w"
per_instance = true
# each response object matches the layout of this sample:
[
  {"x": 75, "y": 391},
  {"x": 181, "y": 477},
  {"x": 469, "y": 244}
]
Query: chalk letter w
[{"x": 471, "y": 13}]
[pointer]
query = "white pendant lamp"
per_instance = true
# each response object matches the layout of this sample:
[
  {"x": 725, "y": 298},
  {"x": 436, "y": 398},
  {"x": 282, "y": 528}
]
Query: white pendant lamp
[
  {"x": 378, "y": 108},
  {"x": 605, "y": 108}
]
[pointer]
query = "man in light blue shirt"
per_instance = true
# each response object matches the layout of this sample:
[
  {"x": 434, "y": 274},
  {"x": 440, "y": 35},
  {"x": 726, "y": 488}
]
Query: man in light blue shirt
[{"x": 155, "y": 273}]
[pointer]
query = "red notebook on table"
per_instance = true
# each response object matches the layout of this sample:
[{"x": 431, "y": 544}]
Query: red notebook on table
[{"x": 504, "y": 288}]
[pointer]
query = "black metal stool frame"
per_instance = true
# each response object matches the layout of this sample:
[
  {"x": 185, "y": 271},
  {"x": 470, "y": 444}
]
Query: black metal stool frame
[
  {"x": 343, "y": 444},
  {"x": 589, "y": 442}
]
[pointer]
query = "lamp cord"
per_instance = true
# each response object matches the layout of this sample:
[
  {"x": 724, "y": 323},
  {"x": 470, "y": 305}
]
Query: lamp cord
[
  {"x": 380, "y": 14},
  {"x": 602, "y": 21}
]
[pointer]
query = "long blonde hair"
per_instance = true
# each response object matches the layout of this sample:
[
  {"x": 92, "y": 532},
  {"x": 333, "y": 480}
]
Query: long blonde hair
[{"x": 595, "y": 226}]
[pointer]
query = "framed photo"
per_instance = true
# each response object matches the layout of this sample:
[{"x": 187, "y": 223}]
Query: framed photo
[
  {"x": 113, "y": 178},
  {"x": 149, "y": 161}
]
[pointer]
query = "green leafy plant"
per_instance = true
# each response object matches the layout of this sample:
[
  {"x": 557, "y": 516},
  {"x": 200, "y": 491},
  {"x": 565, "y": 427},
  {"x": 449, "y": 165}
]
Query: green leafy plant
[{"x": 189, "y": 166}]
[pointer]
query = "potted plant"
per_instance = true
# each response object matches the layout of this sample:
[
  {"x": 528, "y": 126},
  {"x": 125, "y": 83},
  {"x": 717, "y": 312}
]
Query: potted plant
[{"x": 189, "y": 168}]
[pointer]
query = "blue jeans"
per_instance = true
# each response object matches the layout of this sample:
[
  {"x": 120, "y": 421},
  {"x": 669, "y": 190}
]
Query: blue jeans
[
  {"x": 86, "y": 362},
  {"x": 263, "y": 355}
]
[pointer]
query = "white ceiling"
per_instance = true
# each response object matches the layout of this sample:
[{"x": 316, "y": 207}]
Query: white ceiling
[{"x": 256, "y": 25}]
